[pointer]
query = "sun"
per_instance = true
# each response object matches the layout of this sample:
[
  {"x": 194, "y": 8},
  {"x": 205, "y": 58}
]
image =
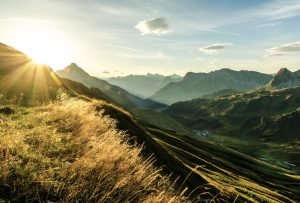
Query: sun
[{"x": 44, "y": 46}]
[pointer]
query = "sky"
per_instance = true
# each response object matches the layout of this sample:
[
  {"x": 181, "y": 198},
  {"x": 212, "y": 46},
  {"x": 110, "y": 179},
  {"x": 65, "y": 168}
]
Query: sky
[{"x": 111, "y": 38}]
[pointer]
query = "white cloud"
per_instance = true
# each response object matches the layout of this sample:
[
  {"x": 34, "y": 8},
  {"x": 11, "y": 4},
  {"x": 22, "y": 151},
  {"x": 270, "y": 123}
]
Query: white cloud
[
  {"x": 214, "y": 48},
  {"x": 157, "y": 26}
]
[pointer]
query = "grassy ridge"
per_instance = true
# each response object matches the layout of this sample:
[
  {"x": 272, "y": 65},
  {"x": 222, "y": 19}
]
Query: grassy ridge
[
  {"x": 67, "y": 151},
  {"x": 232, "y": 173}
]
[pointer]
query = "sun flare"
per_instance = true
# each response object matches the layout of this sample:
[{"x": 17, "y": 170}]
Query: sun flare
[{"x": 44, "y": 47}]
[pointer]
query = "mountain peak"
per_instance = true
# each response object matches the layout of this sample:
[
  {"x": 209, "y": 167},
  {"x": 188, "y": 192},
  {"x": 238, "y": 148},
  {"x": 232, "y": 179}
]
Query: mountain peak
[
  {"x": 175, "y": 76},
  {"x": 73, "y": 68},
  {"x": 225, "y": 70},
  {"x": 284, "y": 78},
  {"x": 74, "y": 65},
  {"x": 283, "y": 71},
  {"x": 284, "y": 75}
]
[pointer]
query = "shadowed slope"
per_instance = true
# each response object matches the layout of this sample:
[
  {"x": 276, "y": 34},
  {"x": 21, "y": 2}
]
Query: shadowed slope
[{"x": 210, "y": 169}]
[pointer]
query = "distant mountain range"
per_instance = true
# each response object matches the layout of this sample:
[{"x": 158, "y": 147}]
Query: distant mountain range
[
  {"x": 265, "y": 115},
  {"x": 119, "y": 95},
  {"x": 195, "y": 85},
  {"x": 143, "y": 85}
]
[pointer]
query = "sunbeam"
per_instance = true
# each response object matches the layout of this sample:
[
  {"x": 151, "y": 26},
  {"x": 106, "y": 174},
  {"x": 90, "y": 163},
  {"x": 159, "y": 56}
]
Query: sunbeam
[{"x": 42, "y": 45}]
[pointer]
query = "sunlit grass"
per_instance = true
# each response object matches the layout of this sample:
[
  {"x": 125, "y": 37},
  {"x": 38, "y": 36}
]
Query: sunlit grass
[{"x": 67, "y": 151}]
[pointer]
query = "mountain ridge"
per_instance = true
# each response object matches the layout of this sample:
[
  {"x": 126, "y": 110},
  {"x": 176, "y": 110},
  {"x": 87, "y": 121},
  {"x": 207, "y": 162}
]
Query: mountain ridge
[
  {"x": 119, "y": 95},
  {"x": 195, "y": 85}
]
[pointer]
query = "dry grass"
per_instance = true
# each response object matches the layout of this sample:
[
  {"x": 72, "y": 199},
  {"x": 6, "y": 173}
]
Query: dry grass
[{"x": 67, "y": 151}]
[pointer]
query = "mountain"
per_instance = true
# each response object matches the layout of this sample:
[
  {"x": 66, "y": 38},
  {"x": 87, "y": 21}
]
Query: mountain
[
  {"x": 88, "y": 150},
  {"x": 143, "y": 85},
  {"x": 195, "y": 85},
  {"x": 120, "y": 96},
  {"x": 284, "y": 79},
  {"x": 23, "y": 81}
]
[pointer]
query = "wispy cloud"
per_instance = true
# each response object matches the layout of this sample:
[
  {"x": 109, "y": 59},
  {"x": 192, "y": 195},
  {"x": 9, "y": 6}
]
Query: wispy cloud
[
  {"x": 157, "y": 55},
  {"x": 273, "y": 55},
  {"x": 157, "y": 26},
  {"x": 120, "y": 47},
  {"x": 278, "y": 9},
  {"x": 214, "y": 48},
  {"x": 284, "y": 48},
  {"x": 116, "y": 11},
  {"x": 221, "y": 32}
]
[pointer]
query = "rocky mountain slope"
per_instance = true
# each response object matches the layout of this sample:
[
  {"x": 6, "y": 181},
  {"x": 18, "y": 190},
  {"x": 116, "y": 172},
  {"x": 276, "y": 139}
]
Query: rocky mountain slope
[{"x": 284, "y": 79}]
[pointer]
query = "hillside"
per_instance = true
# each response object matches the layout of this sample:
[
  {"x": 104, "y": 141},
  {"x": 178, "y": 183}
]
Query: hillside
[
  {"x": 69, "y": 152},
  {"x": 120, "y": 96},
  {"x": 195, "y": 85},
  {"x": 143, "y": 85}
]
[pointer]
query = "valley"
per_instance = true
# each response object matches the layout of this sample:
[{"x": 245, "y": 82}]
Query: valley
[{"x": 227, "y": 146}]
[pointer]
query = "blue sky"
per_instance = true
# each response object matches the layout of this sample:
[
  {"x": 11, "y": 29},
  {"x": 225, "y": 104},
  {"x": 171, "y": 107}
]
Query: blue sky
[{"x": 109, "y": 37}]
